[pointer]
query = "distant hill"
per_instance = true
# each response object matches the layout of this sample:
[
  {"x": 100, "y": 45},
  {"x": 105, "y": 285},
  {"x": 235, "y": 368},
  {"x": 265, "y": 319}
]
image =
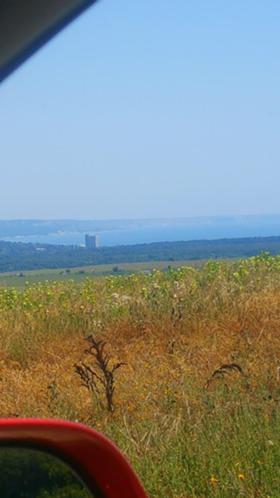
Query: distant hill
[
  {"x": 16, "y": 256},
  {"x": 139, "y": 231},
  {"x": 18, "y": 228},
  {"x": 211, "y": 227}
]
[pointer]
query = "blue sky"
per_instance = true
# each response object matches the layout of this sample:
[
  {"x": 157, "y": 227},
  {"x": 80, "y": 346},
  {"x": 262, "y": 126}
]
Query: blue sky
[{"x": 145, "y": 110}]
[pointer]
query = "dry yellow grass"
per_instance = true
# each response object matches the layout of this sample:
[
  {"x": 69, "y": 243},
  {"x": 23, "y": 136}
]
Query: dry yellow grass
[{"x": 183, "y": 421}]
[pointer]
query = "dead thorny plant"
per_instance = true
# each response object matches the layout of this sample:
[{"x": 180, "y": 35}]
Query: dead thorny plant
[
  {"x": 52, "y": 394},
  {"x": 100, "y": 373},
  {"x": 222, "y": 371}
]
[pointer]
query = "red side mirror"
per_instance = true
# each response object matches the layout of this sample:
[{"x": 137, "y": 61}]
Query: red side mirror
[{"x": 97, "y": 463}]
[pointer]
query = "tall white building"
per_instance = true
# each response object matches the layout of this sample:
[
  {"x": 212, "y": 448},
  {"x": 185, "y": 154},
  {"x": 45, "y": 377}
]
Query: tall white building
[{"x": 91, "y": 241}]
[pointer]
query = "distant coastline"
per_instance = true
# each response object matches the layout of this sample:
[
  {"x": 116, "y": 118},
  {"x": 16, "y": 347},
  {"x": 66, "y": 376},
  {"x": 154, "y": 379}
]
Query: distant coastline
[{"x": 139, "y": 231}]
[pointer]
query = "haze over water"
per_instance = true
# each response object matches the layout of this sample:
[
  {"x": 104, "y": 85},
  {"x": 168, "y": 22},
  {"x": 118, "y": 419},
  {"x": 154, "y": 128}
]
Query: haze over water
[{"x": 124, "y": 232}]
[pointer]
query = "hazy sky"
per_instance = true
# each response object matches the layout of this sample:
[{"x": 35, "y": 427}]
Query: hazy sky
[{"x": 147, "y": 109}]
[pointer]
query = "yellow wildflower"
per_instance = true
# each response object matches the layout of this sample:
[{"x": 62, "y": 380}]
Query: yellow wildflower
[{"x": 213, "y": 481}]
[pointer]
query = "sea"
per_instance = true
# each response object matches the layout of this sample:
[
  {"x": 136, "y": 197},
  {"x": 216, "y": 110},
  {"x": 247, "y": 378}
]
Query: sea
[{"x": 208, "y": 228}]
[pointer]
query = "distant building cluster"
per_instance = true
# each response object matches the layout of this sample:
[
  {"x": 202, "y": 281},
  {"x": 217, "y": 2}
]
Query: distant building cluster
[{"x": 91, "y": 241}]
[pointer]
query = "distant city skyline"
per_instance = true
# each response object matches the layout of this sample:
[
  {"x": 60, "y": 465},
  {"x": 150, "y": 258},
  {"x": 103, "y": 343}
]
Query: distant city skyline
[{"x": 147, "y": 110}]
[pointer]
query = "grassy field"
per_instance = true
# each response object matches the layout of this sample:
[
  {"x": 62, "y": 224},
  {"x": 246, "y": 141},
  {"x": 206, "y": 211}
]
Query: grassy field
[
  {"x": 19, "y": 279},
  {"x": 195, "y": 406}
]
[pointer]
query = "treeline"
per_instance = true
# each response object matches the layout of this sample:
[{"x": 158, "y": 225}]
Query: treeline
[{"x": 16, "y": 256}]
